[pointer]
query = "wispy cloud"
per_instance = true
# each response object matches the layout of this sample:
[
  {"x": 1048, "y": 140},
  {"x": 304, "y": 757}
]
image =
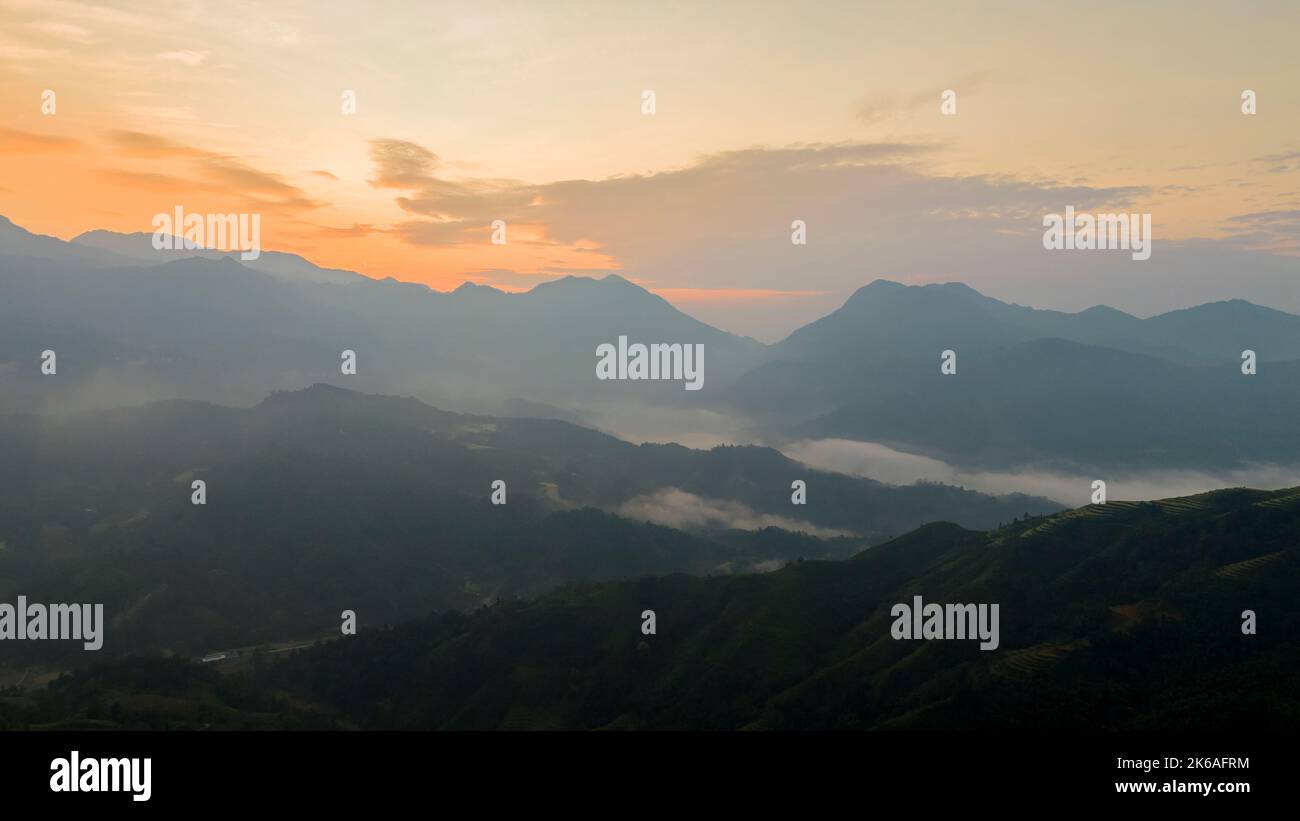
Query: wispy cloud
[
  {"x": 871, "y": 209},
  {"x": 64, "y": 31},
  {"x": 885, "y": 464},
  {"x": 20, "y": 142},
  {"x": 677, "y": 508},
  {"x": 884, "y": 106},
  {"x": 458, "y": 210},
  {"x": 186, "y": 57},
  {"x": 153, "y": 146},
  {"x": 1277, "y": 230},
  {"x": 214, "y": 172}
]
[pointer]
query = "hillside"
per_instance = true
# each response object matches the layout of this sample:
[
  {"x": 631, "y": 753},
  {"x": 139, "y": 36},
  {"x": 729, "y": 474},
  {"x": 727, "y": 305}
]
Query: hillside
[
  {"x": 325, "y": 499},
  {"x": 1123, "y": 616}
]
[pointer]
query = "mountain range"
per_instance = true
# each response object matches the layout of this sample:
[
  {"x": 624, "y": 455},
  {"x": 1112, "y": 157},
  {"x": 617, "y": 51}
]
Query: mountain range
[
  {"x": 325, "y": 499},
  {"x": 1098, "y": 390},
  {"x": 773, "y": 584}
]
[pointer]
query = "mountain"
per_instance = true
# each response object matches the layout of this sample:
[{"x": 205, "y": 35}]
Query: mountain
[
  {"x": 887, "y": 317},
  {"x": 325, "y": 499},
  {"x": 16, "y": 241},
  {"x": 209, "y": 326},
  {"x": 1124, "y": 616},
  {"x": 1095, "y": 391},
  {"x": 139, "y": 247}
]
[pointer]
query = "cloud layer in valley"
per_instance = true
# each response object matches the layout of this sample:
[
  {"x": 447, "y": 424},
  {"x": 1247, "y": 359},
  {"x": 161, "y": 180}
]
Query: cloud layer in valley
[
  {"x": 885, "y": 464},
  {"x": 676, "y": 508}
]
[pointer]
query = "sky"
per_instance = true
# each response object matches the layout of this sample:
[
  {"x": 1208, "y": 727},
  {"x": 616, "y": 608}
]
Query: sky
[{"x": 764, "y": 113}]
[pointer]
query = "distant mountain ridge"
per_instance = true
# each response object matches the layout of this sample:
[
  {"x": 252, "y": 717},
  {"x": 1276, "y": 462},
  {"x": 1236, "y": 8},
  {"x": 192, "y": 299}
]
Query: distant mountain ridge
[
  {"x": 1097, "y": 390},
  {"x": 210, "y": 326},
  {"x": 139, "y": 247},
  {"x": 1177, "y": 334},
  {"x": 886, "y": 313}
]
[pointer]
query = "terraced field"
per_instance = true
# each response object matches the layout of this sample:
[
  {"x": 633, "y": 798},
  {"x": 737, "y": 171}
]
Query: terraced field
[
  {"x": 1281, "y": 501},
  {"x": 1184, "y": 504},
  {"x": 1087, "y": 512},
  {"x": 1239, "y": 569},
  {"x": 1178, "y": 506},
  {"x": 1033, "y": 660}
]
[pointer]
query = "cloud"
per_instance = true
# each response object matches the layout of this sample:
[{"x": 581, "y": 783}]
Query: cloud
[
  {"x": 872, "y": 209},
  {"x": 401, "y": 164},
  {"x": 475, "y": 200},
  {"x": 891, "y": 105},
  {"x": 153, "y": 181},
  {"x": 131, "y": 383},
  {"x": 64, "y": 31},
  {"x": 25, "y": 142},
  {"x": 153, "y": 146},
  {"x": 92, "y": 13},
  {"x": 1277, "y": 230},
  {"x": 451, "y": 232},
  {"x": 223, "y": 173},
  {"x": 1280, "y": 163},
  {"x": 23, "y": 54},
  {"x": 356, "y": 230},
  {"x": 246, "y": 178},
  {"x": 885, "y": 464},
  {"x": 166, "y": 113},
  {"x": 327, "y": 175},
  {"x": 727, "y": 219},
  {"x": 672, "y": 507},
  {"x": 458, "y": 211},
  {"x": 184, "y": 57}
]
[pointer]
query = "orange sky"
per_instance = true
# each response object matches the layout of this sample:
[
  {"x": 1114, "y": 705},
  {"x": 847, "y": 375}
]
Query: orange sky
[{"x": 236, "y": 107}]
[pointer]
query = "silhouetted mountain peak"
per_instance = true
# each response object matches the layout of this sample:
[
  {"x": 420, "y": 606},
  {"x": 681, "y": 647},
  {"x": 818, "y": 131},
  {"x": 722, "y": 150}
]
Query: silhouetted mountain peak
[
  {"x": 885, "y": 291},
  {"x": 575, "y": 283},
  {"x": 471, "y": 288},
  {"x": 876, "y": 287},
  {"x": 1105, "y": 311},
  {"x": 610, "y": 293}
]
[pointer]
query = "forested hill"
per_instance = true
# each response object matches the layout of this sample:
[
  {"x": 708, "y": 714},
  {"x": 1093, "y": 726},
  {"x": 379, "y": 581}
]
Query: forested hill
[{"x": 1122, "y": 616}]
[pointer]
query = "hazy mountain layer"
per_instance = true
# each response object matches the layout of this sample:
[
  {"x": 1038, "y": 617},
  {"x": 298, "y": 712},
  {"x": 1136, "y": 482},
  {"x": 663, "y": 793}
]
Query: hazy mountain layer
[
  {"x": 326, "y": 499},
  {"x": 1097, "y": 391}
]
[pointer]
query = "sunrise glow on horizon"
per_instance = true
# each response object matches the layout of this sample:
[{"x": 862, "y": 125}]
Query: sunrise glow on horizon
[{"x": 493, "y": 112}]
